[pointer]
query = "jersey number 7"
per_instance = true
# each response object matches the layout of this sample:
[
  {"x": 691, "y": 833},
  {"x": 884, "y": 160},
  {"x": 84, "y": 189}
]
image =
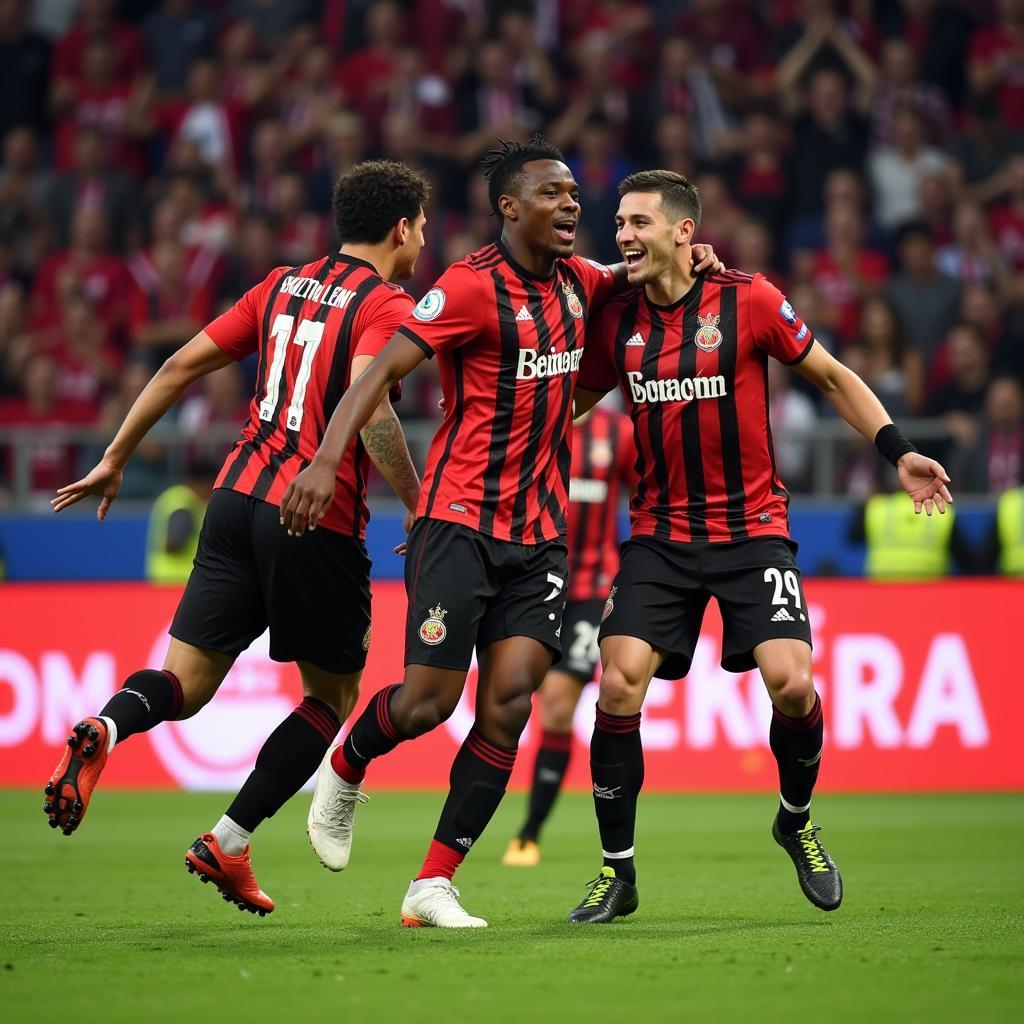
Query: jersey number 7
[{"x": 308, "y": 336}]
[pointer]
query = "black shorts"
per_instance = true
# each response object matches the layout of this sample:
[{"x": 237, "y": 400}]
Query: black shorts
[
  {"x": 662, "y": 588},
  {"x": 468, "y": 590},
  {"x": 312, "y": 591},
  {"x": 580, "y": 625}
]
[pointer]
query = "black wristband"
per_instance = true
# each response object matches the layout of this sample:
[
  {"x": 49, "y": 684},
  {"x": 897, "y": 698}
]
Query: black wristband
[{"x": 891, "y": 442}]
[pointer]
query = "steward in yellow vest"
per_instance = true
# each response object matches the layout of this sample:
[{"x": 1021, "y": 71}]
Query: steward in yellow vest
[
  {"x": 905, "y": 546},
  {"x": 174, "y": 525},
  {"x": 1009, "y": 533}
]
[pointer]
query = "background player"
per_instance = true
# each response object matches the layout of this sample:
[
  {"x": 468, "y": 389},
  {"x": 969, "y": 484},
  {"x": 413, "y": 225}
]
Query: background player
[
  {"x": 602, "y": 463},
  {"x": 315, "y": 327},
  {"x": 709, "y": 517},
  {"x": 486, "y": 563}
]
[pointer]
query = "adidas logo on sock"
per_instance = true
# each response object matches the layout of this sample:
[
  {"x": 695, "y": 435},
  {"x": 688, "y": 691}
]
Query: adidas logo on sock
[
  {"x": 782, "y": 616},
  {"x": 467, "y": 843},
  {"x": 637, "y": 339},
  {"x": 523, "y": 314}
]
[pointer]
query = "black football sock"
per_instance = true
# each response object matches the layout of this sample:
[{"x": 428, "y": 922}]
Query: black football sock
[
  {"x": 478, "y": 779},
  {"x": 548, "y": 772},
  {"x": 146, "y": 699},
  {"x": 373, "y": 734},
  {"x": 617, "y": 768},
  {"x": 288, "y": 758},
  {"x": 796, "y": 744}
]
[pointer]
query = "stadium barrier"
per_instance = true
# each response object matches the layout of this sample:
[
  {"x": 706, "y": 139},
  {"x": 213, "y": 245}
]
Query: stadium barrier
[{"x": 915, "y": 681}]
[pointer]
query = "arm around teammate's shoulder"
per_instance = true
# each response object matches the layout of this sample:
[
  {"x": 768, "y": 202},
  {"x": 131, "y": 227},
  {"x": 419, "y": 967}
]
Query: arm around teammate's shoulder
[{"x": 310, "y": 493}]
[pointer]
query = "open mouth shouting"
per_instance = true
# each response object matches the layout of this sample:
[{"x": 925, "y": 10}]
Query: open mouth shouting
[{"x": 565, "y": 229}]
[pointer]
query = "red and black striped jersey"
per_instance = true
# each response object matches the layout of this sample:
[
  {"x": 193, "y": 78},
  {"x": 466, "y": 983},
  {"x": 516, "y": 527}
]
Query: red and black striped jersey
[
  {"x": 694, "y": 376},
  {"x": 602, "y": 467},
  {"x": 509, "y": 345},
  {"x": 308, "y": 323}
]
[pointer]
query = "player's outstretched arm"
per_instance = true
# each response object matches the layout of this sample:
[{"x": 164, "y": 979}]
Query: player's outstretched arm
[
  {"x": 194, "y": 359},
  {"x": 922, "y": 478},
  {"x": 309, "y": 495}
]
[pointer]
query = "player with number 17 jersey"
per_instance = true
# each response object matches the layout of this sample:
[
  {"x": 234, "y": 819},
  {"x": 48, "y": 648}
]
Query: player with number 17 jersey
[{"x": 308, "y": 323}]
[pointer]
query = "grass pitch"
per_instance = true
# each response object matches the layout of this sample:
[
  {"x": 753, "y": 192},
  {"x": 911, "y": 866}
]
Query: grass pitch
[{"x": 108, "y": 926}]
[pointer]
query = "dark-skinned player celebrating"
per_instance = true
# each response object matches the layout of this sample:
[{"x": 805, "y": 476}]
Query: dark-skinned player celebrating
[
  {"x": 486, "y": 560},
  {"x": 709, "y": 516}
]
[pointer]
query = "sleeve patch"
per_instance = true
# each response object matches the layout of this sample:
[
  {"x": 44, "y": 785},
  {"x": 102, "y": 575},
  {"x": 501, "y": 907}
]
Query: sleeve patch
[{"x": 430, "y": 306}]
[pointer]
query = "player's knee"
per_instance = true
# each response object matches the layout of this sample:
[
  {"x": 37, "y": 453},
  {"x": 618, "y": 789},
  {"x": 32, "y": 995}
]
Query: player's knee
[
  {"x": 557, "y": 715},
  {"x": 510, "y": 716},
  {"x": 423, "y": 716},
  {"x": 621, "y": 691},
  {"x": 791, "y": 690}
]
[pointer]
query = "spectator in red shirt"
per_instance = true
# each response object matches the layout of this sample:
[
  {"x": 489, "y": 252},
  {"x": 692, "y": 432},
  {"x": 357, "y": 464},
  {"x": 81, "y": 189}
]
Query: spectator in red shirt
[
  {"x": 846, "y": 271},
  {"x": 103, "y": 99},
  {"x": 899, "y": 85},
  {"x": 49, "y": 461},
  {"x": 996, "y": 61},
  {"x": 88, "y": 363},
  {"x": 364, "y": 77},
  {"x": 87, "y": 267},
  {"x": 95, "y": 19},
  {"x": 164, "y": 316}
]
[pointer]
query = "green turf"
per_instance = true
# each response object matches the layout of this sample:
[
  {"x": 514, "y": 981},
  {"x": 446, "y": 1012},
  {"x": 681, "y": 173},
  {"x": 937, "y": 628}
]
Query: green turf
[{"x": 107, "y": 926}]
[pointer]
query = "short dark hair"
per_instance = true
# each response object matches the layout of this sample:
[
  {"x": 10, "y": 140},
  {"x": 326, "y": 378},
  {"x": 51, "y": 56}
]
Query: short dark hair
[
  {"x": 679, "y": 196},
  {"x": 373, "y": 196},
  {"x": 503, "y": 165}
]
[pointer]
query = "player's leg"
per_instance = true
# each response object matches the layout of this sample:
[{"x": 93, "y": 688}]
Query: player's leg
[
  {"x": 219, "y": 615},
  {"x": 649, "y": 627},
  {"x": 796, "y": 739},
  {"x": 510, "y": 670},
  {"x": 286, "y": 760},
  {"x": 766, "y": 623},
  {"x": 557, "y": 699},
  {"x": 447, "y": 584}
]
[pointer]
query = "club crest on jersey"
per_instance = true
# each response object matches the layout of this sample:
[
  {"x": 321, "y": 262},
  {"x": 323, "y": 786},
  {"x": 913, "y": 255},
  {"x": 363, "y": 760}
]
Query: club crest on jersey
[
  {"x": 572, "y": 301},
  {"x": 433, "y": 630},
  {"x": 609, "y": 605},
  {"x": 366, "y": 639},
  {"x": 430, "y": 306},
  {"x": 708, "y": 336}
]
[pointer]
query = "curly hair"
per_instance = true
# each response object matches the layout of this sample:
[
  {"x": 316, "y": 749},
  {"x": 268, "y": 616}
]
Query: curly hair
[
  {"x": 679, "y": 196},
  {"x": 373, "y": 196},
  {"x": 503, "y": 165}
]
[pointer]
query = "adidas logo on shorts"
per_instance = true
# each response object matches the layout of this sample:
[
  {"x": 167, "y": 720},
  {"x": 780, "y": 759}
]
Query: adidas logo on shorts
[{"x": 782, "y": 616}]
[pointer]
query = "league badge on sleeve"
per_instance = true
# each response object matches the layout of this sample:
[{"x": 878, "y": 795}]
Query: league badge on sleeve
[
  {"x": 787, "y": 312},
  {"x": 708, "y": 336},
  {"x": 430, "y": 306}
]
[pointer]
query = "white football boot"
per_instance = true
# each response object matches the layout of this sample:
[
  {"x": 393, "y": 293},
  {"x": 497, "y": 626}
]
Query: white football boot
[
  {"x": 332, "y": 815},
  {"x": 434, "y": 903}
]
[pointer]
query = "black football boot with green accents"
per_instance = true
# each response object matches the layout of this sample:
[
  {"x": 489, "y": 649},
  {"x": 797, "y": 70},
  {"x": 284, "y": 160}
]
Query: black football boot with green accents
[
  {"x": 609, "y": 898},
  {"x": 817, "y": 872}
]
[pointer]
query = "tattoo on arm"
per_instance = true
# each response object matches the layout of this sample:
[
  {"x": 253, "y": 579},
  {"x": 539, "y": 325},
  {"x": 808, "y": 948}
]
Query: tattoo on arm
[{"x": 385, "y": 443}]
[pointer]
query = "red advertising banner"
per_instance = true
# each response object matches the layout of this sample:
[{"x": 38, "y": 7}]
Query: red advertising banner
[{"x": 918, "y": 685}]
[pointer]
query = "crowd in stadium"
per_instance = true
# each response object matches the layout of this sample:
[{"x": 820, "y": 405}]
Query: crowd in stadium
[{"x": 158, "y": 159}]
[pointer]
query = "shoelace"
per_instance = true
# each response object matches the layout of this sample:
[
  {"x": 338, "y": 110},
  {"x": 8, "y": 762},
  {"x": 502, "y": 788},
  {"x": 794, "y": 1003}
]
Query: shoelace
[
  {"x": 813, "y": 850},
  {"x": 341, "y": 798},
  {"x": 601, "y": 886}
]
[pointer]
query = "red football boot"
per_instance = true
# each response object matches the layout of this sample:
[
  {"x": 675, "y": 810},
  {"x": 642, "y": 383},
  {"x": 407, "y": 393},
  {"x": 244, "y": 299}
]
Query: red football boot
[
  {"x": 232, "y": 875},
  {"x": 73, "y": 780}
]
